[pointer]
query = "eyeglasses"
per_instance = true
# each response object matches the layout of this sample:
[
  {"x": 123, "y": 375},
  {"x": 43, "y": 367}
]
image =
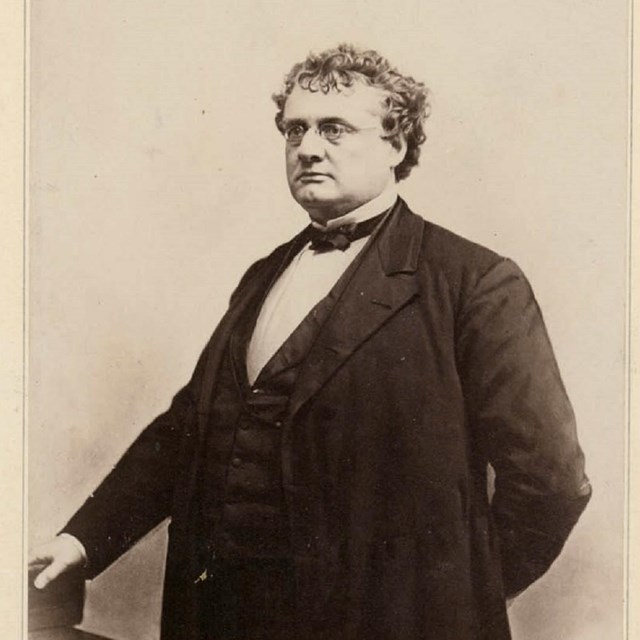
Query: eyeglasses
[{"x": 331, "y": 131}]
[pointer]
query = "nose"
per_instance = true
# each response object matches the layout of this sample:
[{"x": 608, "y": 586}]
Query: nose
[{"x": 311, "y": 147}]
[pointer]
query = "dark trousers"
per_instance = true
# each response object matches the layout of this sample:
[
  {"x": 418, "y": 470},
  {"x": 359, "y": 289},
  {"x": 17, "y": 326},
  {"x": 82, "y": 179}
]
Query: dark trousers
[{"x": 248, "y": 600}]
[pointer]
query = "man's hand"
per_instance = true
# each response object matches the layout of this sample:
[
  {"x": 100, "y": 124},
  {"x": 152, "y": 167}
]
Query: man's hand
[{"x": 55, "y": 557}]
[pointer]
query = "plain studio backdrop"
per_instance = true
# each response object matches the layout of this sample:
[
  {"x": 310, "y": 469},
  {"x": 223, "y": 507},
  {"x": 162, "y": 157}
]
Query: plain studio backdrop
[{"x": 157, "y": 177}]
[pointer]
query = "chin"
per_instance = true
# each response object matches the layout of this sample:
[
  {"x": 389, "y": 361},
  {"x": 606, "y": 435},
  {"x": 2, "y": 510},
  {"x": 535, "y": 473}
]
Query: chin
[{"x": 312, "y": 198}]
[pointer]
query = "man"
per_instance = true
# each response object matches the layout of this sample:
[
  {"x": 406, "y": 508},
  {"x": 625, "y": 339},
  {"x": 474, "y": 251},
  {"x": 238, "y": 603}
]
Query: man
[{"x": 325, "y": 469}]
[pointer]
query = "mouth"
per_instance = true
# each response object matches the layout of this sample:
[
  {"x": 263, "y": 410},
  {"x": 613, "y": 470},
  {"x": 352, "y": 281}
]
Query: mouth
[{"x": 312, "y": 176}]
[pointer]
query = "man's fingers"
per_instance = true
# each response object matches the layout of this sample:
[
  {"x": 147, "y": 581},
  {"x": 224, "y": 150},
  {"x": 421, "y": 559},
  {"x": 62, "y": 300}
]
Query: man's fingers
[
  {"x": 40, "y": 557},
  {"x": 53, "y": 558},
  {"x": 49, "y": 574}
]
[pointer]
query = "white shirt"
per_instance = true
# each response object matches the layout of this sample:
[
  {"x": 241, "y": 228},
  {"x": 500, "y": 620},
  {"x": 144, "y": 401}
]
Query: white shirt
[{"x": 306, "y": 280}]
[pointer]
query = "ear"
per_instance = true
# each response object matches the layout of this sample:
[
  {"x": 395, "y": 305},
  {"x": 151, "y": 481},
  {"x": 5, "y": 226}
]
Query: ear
[{"x": 397, "y": 151}]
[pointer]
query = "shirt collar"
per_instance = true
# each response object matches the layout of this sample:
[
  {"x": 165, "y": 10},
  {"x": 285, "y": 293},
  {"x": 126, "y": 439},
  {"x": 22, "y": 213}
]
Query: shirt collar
[{"x": 365, "y": 211}]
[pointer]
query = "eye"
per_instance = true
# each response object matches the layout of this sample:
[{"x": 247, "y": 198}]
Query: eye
[
  {"x": 332, "y": 131},
  {"x": 294, "y": 133}
]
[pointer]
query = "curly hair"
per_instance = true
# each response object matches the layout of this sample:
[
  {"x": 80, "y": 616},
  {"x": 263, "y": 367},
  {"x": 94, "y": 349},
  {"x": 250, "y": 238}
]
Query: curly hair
[{"x": 406, "y": 102}]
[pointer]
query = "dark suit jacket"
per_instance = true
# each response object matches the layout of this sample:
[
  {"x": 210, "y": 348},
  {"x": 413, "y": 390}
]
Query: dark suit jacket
[{"x": 434, "y": 363}]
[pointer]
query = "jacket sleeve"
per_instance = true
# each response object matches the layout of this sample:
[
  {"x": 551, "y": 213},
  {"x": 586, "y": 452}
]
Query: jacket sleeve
[
  {"x": 137, "y": 494},
  {"x": 522, "y": 422}
]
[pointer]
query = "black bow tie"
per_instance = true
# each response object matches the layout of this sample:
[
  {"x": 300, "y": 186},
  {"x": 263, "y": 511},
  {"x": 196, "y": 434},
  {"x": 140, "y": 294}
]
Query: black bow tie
[{"x": 341, "y": 237}]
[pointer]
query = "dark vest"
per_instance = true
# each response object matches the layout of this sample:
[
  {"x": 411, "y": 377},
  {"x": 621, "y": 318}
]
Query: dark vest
[
  {"x": 242, "y": 501},
  {"x": 241, "y": 497}
]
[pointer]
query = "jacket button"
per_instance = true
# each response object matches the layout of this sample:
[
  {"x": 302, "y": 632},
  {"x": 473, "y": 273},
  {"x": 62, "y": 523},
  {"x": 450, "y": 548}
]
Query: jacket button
[
  {"x": 236, "y": 462},
  {"x": 257, "y": 390},
  {"x": 278, "y": 423}
]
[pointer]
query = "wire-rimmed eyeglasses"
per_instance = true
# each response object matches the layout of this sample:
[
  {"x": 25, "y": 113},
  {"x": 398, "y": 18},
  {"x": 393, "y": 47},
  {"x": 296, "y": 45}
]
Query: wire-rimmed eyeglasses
[{"x": 331, "y": 131}]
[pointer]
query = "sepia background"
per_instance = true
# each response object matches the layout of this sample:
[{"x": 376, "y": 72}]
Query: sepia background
[{"x": 157, "y": 177}]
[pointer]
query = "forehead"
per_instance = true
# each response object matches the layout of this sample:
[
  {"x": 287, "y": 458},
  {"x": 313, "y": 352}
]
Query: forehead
[{"x": 356, "y": 103}]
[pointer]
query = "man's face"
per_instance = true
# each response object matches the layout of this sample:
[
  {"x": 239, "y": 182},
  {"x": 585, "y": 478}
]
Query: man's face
[{"x": 329, "y": 177}]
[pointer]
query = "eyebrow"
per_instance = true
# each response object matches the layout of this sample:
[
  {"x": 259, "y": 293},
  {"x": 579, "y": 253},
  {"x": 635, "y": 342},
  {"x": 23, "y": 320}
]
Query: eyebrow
[{"x": 332, "y": 119}]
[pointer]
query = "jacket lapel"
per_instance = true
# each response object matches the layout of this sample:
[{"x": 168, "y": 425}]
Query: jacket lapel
[
  {"x": 249, "y": 294},
  {"x": 250, "y": 291},
  {"x": 383, "y": 283}
]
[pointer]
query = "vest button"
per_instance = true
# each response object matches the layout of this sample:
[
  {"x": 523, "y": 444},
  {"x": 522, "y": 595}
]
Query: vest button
[
  {"x": 236, "y": 462},
  {"x": 278, "y": 423},
  {"x": 257, "y": 390}
]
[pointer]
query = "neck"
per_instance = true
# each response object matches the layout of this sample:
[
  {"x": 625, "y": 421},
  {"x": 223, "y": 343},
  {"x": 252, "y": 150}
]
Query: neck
[{"x": 369, "y": 209}]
